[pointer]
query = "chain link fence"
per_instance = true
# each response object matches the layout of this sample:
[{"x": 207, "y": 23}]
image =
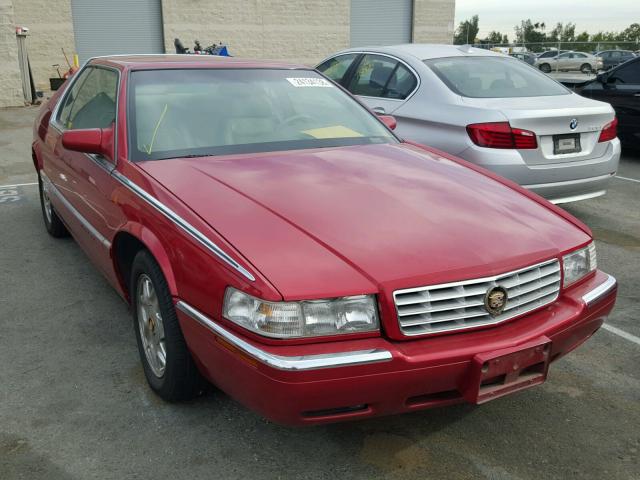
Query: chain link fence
[{"x": 539, "y": 47}]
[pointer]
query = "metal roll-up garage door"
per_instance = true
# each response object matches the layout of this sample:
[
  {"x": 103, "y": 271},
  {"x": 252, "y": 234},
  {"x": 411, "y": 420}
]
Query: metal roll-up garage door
[
  {"x": 107, "y": 27},
  {"x": 381, "y": 22}
]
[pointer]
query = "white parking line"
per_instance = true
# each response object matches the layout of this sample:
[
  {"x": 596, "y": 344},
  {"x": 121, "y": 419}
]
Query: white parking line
[
  {"x": 19, "y": 185},
  {"x": 621, "y": 333},
  {"x": 628, "y": 179}
]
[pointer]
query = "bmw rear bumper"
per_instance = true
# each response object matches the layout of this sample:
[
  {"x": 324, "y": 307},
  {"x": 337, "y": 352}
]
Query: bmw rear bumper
[{"x": 568, "y": 181}]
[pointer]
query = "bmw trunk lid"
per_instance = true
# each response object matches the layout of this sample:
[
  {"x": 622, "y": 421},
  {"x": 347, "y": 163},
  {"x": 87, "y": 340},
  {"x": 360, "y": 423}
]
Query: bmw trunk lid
[{"x": 551, "y": 116}]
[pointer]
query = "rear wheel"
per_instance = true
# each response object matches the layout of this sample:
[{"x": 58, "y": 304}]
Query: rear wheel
[
  {"x": 52, "y": 222},
  {"x": 545, "y": 67},
  {"x": 586, "y": 68},
  {"x": 167, "y": 362}
]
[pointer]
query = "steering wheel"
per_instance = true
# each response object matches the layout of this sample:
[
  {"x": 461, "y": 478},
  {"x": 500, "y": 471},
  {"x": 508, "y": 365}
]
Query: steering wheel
[{"x": 293, "y": 118}]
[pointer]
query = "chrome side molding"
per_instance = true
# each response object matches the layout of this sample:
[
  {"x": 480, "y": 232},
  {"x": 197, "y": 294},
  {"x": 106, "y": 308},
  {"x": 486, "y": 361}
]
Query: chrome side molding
[
  {"x": 600, "y": 291},
  {"x": 183, "y": 224},
  {"x": 305, "y": 362},
  {"x": 51, "y": 188}
]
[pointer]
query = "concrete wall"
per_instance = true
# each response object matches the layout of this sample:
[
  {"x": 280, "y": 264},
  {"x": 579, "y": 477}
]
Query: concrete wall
[
  {"x": 303, "y": 31},
  {"x": 50, "y": 30},
  {"x": 433, "y": 21},
  {"x": 10, "y": 84},
  {"x": 295, "y": 30}
]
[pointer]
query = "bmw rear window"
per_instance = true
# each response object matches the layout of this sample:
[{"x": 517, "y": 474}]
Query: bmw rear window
[{"x": 493, "y": 77}]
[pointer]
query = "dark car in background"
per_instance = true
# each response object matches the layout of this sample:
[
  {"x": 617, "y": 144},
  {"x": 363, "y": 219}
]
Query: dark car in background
[
  {"x": 613, "y": 58},
  {"x": 620, "y": 87},
  {"x": 526, "y": 57}
]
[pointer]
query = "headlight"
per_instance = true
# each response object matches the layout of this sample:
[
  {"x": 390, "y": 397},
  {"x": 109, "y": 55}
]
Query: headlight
[
  {"x": 301, "y": 319},
  {"x": 577, "y": 264}
]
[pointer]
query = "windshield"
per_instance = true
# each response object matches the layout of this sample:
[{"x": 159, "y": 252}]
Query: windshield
[
  {"x": 198, "y": 112},
  {"x": 493, "y": 77}
]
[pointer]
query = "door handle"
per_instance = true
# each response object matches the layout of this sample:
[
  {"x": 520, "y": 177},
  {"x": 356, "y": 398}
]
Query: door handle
[{"x": 378, "y": 110}]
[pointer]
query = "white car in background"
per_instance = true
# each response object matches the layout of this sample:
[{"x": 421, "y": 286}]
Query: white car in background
[{"x": 489, "y": 109}]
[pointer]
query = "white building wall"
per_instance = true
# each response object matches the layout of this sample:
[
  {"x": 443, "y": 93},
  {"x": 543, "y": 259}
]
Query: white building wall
[{"x": 10, "y": 85}]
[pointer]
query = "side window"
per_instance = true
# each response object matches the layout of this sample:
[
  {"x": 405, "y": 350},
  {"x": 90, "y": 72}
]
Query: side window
[
  {"x": 579, "y": 55},
  {"x": 401, "y": 84},
  {"x": 372, "y": 76},
  {"x": 629, "y": 73},
  {"x": 63, "y": 113},
  {"x": 93, "y": 103},
  {"x": 336, "y": 67}
]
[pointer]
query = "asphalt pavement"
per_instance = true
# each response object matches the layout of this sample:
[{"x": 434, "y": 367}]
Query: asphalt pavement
[{"x": 74, "y": 403}]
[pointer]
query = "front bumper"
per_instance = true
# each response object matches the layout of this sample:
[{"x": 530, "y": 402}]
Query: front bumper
[
  {"x": 333, "y": 381},
  {"x": 557, "y": 181}
]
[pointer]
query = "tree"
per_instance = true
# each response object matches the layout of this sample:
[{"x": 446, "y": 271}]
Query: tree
[
  {"x": 495, "y": 38},
  {"x": 631, "y": 33},
  {"x": 467, "y": 31},
  {"x": 563, "y": 33},
  {"x": 529, "y": 32}
]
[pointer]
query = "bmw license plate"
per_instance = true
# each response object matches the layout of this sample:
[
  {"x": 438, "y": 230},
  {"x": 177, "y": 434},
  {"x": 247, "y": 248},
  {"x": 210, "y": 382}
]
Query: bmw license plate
[{"x": 568, "y": 143}]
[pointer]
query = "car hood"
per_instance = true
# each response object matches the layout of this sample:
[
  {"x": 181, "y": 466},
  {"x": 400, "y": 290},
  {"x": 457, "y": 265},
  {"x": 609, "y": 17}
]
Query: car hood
[{"x": 350, "y": 220}]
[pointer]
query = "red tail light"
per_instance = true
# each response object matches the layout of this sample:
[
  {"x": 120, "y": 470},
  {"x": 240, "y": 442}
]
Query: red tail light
[
  {"x": 501, "y": 135},
  {"x": 610, "y": 131}
]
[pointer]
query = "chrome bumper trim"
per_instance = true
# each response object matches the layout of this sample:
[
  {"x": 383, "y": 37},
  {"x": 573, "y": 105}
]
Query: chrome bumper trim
[
  {"x": 304, "y": 362},
  {"x": 601, "y": 290}
]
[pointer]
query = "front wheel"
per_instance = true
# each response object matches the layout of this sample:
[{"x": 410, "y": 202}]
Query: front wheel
[
  {"x": 545, "y": 67},
  {"x": 586, "y": 68},
  {"x": 166, "y": 360},
  {"x": 52, "y": 221}
]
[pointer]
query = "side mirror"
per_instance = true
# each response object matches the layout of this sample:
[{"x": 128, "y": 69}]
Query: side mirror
[
  {"x": 389, "y": 120},
  {"x": 90, "y": 140}
]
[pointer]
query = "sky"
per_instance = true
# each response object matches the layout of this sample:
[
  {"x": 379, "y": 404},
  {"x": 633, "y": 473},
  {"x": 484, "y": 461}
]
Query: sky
[{"x": 590, "y": 15}]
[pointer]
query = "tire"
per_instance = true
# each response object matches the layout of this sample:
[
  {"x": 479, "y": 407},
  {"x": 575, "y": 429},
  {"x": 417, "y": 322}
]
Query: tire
[
  {"x": 159, "y": 335},
  {"x": 586, "y": 68},
  {"x": 545, "y": 67},
  {"x": 52, "y": 222}
]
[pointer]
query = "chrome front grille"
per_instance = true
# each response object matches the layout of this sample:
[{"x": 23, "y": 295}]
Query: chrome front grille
[{"x": 460, "y": 305}]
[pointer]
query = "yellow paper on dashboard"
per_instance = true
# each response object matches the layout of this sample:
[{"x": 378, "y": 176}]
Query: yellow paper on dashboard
[{"x": 335, "y": 131}]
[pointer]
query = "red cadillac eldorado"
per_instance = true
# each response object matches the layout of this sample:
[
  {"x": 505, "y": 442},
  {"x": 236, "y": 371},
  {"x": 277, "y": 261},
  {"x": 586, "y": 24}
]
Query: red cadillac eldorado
[{"x": 275, "y": 238}]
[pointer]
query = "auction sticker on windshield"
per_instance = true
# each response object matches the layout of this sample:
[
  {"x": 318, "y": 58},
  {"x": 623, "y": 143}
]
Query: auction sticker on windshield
[{"x": 309, "y": 82}]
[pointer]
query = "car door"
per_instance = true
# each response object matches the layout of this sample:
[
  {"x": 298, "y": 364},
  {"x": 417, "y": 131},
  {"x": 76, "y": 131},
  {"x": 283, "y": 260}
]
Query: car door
[
  {"x": 382, "y": 82},
  {"x": 82, "y": 181},
  {"x": 337, "y": 68},
  {"x": 621, "y": 88}
]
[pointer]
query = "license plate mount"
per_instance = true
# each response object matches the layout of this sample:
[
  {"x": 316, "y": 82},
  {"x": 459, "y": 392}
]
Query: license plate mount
[
  {"x": 567, "y": 143},
  {"x": 501, "y": 372}
]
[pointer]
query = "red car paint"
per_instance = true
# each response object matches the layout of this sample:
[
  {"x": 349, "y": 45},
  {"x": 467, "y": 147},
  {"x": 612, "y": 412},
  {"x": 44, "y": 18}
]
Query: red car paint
[{"x": 324, "y": 223}]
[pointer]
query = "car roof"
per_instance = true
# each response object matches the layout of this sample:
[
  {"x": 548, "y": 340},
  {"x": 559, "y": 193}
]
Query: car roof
[
  {"x": 141, "y": 61},
  {"x": 426, "y": 51}
]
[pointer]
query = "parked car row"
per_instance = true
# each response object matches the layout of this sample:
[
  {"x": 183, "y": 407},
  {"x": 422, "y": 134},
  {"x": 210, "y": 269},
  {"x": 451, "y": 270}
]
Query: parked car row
[
  {"x": 275, "y": 237},
  {"x": 489, "y": 109},
  {"x": 568, "y": 61}
]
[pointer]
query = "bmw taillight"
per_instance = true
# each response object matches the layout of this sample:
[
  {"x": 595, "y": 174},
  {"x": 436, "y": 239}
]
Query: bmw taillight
[
  {"x": 610, "y": 131},
  {"x": 501, "y": 135}
]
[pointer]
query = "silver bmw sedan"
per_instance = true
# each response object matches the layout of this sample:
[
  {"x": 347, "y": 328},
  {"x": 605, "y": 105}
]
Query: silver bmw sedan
[{"x": 490, "y": 109}]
